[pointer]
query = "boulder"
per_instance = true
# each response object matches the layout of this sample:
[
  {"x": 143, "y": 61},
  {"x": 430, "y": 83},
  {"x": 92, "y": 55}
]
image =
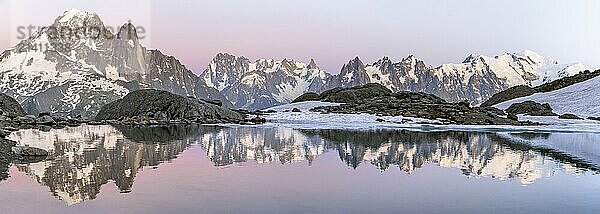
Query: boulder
[
  {"x": 570, "y": 116},
  {"x": 258, "y": 120},
  {"x": 3, "y": 133},
  {"x": 29, "y": 151},
  {"x": 41, "y": 114},
  {"x": 296, "y": 110},
  {"x": 10, "y": 107},
  {"x": 531, "y": 108},
  {"x": 45, "y": 120}
]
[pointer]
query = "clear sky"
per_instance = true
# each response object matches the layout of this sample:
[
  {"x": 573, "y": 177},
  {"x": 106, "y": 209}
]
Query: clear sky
[{"x": 334, "y": 31}]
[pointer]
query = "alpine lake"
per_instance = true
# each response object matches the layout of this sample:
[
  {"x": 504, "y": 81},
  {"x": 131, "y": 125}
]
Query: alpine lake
[{"x": 240, "y": 169}]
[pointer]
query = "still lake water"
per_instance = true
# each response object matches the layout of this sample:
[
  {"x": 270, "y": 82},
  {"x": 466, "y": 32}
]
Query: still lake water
[{"x": 208, "y": 169}]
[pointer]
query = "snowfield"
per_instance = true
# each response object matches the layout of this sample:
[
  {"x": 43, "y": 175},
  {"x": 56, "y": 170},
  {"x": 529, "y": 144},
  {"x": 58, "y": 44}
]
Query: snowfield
[
  {"x": 309, "y": 120},
  {"x": 580, "y": 99},
  {"x": 284, "y": 117}
]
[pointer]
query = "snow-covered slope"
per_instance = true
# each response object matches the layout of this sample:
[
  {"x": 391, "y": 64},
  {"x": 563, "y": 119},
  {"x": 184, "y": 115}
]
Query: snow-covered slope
[
  {"x": 76, "y": 73},
  {"x": 477, "y": 78},
  {"x": 263, "y": 83},
  {"x": 580, "y": 99}
]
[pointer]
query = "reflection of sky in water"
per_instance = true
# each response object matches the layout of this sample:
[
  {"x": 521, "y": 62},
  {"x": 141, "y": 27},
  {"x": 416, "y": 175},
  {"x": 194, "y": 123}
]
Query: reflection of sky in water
[{"x": 84, "y": 159}]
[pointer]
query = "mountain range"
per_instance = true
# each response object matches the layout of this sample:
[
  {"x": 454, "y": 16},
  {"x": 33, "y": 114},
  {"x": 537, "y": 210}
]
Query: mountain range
[
  {"x": 265, "y": 83},
  {"x": 76, "y": 75}
]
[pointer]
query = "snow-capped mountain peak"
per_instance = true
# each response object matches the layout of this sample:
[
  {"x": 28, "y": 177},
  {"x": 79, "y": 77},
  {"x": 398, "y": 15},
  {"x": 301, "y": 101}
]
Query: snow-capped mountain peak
[
  {"x": 312, "y": 65},
  {"x": 127, "y": 31},
  {"x": 472, "y": 57},
  {"x": 535, "y": 58},
  {"x": 76, "y": 65},
  {"x": 77, "y": 18}
]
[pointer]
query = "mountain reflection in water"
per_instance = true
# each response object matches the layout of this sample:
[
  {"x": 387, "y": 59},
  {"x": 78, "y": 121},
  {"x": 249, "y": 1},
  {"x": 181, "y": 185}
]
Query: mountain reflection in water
[{"x": 85, "y": 158}]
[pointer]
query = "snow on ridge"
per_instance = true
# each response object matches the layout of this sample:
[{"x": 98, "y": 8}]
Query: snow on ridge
[
  {"x": 553, "y": 72},
  {"x": 71, "y": 14}
]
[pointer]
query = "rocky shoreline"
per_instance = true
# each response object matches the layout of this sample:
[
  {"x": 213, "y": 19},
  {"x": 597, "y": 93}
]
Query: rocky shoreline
[
  {"x": 376, "y": 99},
  {"x": 140, "y": 108}
]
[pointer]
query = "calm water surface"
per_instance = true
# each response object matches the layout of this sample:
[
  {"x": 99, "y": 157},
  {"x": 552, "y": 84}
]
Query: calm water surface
[{"x": 202, "y": 169}]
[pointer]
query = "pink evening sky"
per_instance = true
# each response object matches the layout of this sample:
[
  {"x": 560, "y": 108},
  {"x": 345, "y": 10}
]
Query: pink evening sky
[{"x": 334, "y": 31}]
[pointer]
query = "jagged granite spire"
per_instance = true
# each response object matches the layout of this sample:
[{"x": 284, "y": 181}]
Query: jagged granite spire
[{"x": 312, "y": 65}]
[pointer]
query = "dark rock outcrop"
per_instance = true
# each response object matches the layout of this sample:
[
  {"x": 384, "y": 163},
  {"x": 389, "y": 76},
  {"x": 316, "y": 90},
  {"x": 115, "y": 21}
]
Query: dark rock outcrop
[
  {"x": 309, "y": 96},
  {"x": 567, "y": 81},
  {"x": 376, "y": 99},
  {"x": 9, "y": 107},
  {"x": 594, "y": 118},
  {"x": 24, "y": 120},
  {"x": 344, "y": 95},
  {"x": 45, "y": 120},
  {"x": 257, "y": 120},
  {"x": 509, "y": 94},
  {"x": 570, "y": 116},
  {"x": 531, "y": 108},
  {"x": 353, "y": 94},
  {"x": 214, "y": 102},
  {"x": 26, "y": 151},
  {"x": 154, "y": 106}
]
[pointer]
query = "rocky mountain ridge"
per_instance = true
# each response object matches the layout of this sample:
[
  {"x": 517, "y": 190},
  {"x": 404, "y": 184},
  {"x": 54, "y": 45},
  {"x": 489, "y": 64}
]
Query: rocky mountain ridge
[
  {"x": 477, "y": 78},
  {"x": 264, "y": 82}
]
